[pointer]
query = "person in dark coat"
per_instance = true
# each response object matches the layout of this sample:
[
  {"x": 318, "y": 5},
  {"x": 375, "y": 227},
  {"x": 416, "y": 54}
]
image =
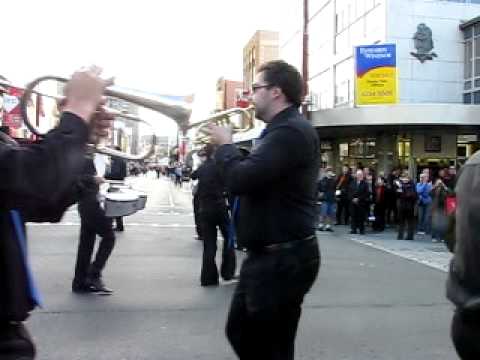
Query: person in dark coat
[
  {"x": 343, "y": 202},
  {"x": 213, "y": 213},
  {"x": 379, "y": 206},
  {"x": 118, "y": 171},
  {"x": 326, "y": 193},
  {"x": 406, "y": 199},
  {"x": 358, "y": 194},
  {"x": 439, "y": 195},
  {"x": 277, "y": 187},
  {"x": 463, "y": 284},
  {"x": 29, "y": 192},
  {"x": 391, "y": 208}
]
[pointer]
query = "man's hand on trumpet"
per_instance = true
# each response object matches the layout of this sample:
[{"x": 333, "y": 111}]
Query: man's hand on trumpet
[
  {"x": 219, "y": 135},
  {"x": 84, "y": 93},
  {"x": 84, "y": 97}
]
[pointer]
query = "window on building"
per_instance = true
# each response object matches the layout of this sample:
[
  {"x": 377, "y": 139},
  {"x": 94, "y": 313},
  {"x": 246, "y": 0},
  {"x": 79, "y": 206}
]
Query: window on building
[
  {"x": 476, "y": 97},
  {"x": 467, "y": 85},
  {"x": 344, "y": 82},
  {"x": 468, "y": 60},
  {"x": 467, "y": 98}
]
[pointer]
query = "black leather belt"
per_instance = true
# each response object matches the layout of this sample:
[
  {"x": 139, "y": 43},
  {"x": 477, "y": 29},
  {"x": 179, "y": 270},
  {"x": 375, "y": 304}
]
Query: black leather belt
[{"x": 289, "y": 244}]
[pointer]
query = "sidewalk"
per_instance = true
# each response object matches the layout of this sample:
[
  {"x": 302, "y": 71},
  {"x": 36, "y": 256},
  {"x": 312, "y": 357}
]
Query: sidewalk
[{"x": 421, "y": 249}]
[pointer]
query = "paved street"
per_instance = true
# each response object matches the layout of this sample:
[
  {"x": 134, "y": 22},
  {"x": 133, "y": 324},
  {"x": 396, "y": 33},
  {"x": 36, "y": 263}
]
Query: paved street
[{"x": 376, "y": 298}]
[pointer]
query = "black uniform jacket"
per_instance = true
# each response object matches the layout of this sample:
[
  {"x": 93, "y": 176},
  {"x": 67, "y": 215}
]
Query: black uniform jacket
[
  {"x": 463, "y": 285},
  {"x": 38, "y": 181},
  {"x": 118, "y": 169},
  {"x": 211, "y": 188},
  {"x": 276, "y": 182}
]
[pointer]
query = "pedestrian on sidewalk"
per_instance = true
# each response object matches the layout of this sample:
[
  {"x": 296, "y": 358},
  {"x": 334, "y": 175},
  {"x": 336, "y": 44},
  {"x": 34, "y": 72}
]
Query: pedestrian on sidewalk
[
  {"x": 358, "y": 194},
  {"x": 326, "y": 191},
  {"x": 463, "y": 284},
  {"x": 407, "y": 199},
  {"x": 343, "y": 202},
  {"x": 439, "y": 218},
  {"x": 391, "y": 212},
  {"x": 424, "y": 189},
  {"x": 277, "y": 188},
  {"x": 379, "y": 207}
]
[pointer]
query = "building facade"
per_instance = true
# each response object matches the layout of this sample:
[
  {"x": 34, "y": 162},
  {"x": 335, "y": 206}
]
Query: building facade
[
  {"x": 434, "y": 122},
  {"x": 262, "y": 47},
  {"x": 228, "y": 93}
]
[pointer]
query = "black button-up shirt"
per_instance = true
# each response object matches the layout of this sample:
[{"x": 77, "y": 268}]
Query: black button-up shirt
[{"x": 276, "y": 182}]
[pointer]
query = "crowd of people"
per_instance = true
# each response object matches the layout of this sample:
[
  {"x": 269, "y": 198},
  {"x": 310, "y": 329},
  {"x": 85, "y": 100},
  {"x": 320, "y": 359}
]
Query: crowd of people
[{"x": 359, "y": 197}]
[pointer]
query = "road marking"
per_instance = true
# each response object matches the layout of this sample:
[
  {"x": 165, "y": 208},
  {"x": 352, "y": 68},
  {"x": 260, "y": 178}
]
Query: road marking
[
  {"x": 409, "y": 250},
  {"x": 170, "y": 196},
  {"x": 126, "y": 224}
]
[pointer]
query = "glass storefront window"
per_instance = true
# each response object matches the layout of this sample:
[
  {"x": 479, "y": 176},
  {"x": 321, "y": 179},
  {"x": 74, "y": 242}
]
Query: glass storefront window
[
  {"x": 467, "y": 98},
  {"x": 370, "y": 148},
  {"x": 343, "y": 150},
  {"x": 356, "y": 148}
]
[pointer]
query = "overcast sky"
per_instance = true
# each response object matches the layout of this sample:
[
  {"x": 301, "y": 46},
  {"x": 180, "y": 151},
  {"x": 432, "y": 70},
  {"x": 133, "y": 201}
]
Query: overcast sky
[{"x": 176, "y": 47}]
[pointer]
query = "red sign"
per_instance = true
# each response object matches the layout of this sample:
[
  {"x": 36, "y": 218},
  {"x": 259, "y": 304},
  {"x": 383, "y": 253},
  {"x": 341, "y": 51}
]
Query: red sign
[{"x": 11, "y": 105}]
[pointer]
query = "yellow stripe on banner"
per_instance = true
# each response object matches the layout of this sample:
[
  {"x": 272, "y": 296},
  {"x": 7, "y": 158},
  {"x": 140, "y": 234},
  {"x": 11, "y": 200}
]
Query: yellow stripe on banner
[{"x": 377, "y": 86}]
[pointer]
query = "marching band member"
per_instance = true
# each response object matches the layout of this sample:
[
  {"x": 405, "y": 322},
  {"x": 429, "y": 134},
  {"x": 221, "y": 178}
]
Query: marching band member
[
  {"x": 276, "y": 185},
  {"x": 213, "y": 213},
  {"x": 29, "y": 192},
  {"x": 93, "y": 221}
]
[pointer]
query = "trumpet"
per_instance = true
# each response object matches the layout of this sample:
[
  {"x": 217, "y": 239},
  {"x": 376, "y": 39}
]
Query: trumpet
[
  {"x": 179, "y": 114},
  {"x": 223, "y": 118}
]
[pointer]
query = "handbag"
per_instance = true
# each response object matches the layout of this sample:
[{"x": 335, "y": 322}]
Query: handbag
[{"x": 450, "y": 205}]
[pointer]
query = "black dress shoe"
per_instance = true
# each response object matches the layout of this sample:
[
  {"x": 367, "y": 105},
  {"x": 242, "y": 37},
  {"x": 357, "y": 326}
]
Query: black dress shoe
[
  {"x": 98, "y": 286},
  {"x": 81, "y": 287},
  {"x": 15, "y": 342}
]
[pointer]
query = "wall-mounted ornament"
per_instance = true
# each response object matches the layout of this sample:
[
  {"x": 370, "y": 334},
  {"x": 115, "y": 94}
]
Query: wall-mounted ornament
[{"x": 423, "y": 43}]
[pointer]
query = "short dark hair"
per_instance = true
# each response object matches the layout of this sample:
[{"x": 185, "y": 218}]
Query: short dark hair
[{"x": 286, "y": 77}]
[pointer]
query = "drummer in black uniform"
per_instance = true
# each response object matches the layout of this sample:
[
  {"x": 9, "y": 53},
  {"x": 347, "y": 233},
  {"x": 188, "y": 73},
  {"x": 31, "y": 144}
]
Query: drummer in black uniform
[{"x": 88, "y": 275}]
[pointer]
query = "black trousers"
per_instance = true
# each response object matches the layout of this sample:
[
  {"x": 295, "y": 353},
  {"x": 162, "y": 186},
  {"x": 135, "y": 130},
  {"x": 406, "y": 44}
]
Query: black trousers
[
  {"x": 391, "y": 211},
  {"x": 379, "y": 213},
  {"x": 358, "y": 217},
  {"x": 406, "y": 215},
  {"x": 266, "y": 306},
  {"x": 196, "y": 215},
  {"x": 119, "y": 222},
  {"x": 93, "y": 222},
  {"x": 211, "y": 218},
  {"x": 465, "y": 332},
  {"x": 343, "y": 208}
]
